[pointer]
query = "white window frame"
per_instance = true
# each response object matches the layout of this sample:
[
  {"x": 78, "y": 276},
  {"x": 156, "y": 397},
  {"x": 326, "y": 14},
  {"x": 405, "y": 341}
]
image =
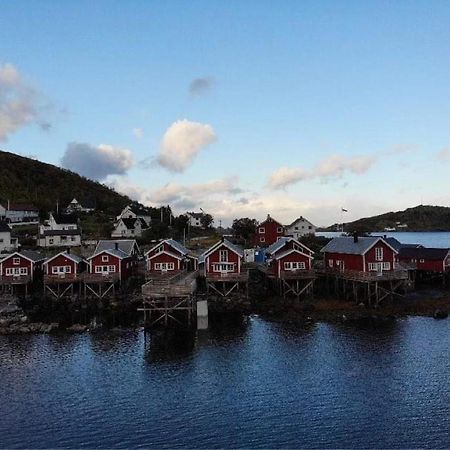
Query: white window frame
[
  {"x": 223, "y": 256},
  {"x": 378, "y": 253},
  {"x": 111, "y": 269},
  {"x": 386, "y": 265},
  {"x": 223, "y": 267},
  {"x": 262, "y": 239},
  {"x": 105, "y": 258},
  {"x": 330, "y": 263},
  {"x": 16, "y": 261},
  {"x": 279, "y": 229},
  {"x": 261, "y": 230}
]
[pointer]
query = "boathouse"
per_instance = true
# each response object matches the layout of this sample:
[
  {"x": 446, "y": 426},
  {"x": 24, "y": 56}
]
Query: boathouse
[
  {"x": 423, "y": 259},
  {"x": 23, "y": 264},
  {"x": 113, "y": 263},
  {"x": 361, "y": 254},
  {"x": 170, "y": 256},
  {"x": 268, "y": 232}
]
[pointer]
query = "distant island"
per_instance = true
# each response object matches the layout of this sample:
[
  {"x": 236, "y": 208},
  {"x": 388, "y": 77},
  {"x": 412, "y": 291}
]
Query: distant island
[{"x": 419, "y": 218}]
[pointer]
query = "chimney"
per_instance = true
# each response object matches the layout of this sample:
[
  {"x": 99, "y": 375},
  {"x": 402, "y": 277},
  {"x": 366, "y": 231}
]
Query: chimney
[
  {"x": 268, "y": 216},
  {"x": 355, "y": 237},
  {"x": 68, "y": 250},
  {"x": 116, "y": 245},
  {"x": 8, "y": 205}
]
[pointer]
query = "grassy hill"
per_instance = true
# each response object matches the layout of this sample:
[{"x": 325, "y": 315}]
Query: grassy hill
[
  {"x": 419, "y": 218},
  {"x": 27, "y": 180}
]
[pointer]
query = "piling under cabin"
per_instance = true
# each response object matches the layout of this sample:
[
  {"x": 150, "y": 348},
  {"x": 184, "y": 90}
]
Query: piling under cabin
[
  {"x": 289, "y": 265},
  {"x": 222, "y": 267},
  {"x": 63, "y": 274},
  {"x": 363, "y": 267},
  {"x": 107, "y": 269},
  {"x": 20, "y": 269}
]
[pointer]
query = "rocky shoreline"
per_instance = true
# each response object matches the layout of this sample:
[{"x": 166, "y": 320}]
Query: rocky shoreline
[{"x": 429, "y": 303}]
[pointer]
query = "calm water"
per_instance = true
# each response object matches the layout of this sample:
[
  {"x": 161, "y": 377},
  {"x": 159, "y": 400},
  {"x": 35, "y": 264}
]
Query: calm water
[
  {"x": 261, "y": 385},
  {"x": 439, "y": 239}
]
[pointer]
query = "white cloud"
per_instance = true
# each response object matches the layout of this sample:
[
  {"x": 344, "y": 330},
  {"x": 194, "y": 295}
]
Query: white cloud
[
  {"x": 182, "y": 142},
  {"x": 97, "y": 162},
  {"x": 200, "y": 86},
  {"x": 138, "y": 133},
  {"x": 20, "y": 104},
  {"x": 334, "y": 166}
]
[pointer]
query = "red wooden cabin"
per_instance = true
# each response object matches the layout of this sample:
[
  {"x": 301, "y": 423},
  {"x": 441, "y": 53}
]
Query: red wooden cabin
[
  {"x": 268, "y": 232},
  {"x": 288, "y": 255},
  {"x": 64, "y": 265},
  {"x": 24, "y": 264},
  {"x": 111, "y": 262},
  {"x": 362, "y": 254},
  {"x": 169, "y": 256},
  {"x": 426, "y": 259},
  {"x": 222, "y": 258}
]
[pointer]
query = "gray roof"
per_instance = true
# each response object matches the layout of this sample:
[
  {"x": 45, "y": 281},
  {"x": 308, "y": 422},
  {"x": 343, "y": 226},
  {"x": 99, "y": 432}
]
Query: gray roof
[
  {"x": 65, "y": 253},
  {"x": 30, "y": 254},
  {"x": 61, "y": 232},
  {"x": 348, "y": 246},
  {"x": 112, "y": 251},
  {"x": 297, "y": 220},
  {"x": 227, "y": 243},
  {"x": 177, "y": 246},
  {"x": 126, "y": 245},
  {"x": 271, "y": 249}
]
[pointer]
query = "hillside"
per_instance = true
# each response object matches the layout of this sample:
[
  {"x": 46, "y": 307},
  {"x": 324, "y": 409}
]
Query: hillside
[
  {"x": 27, "y": 180},
  {"x": 419, "y": 218}
]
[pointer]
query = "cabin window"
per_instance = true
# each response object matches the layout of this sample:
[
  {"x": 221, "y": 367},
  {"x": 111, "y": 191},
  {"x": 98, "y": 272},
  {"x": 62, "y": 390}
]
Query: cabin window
[
  {"x": 295, "y": 228},
  {"x": 386, "y": 266},
  {"x": 279, "y": 230},
  {"x": 422, "y": 260},
  {"x": 105, "y": 258},
  {"x": 111, "y": 268},
  {"x": 378, "y": 253},
  {"x": 294, "y": 265},
  {"x": 330, "y": 263},
  {"x": 50, "y": 241},
  {"x": 159, "y": 249},
  {"x": 24, "y": 271},
  {"x": 261, "y": 230},
  {"x": 262, "y": 239},
  {"x": 16, "y": 261},
  {"x": 223, "y": 268},
  {"x": 223, "y": 255}
]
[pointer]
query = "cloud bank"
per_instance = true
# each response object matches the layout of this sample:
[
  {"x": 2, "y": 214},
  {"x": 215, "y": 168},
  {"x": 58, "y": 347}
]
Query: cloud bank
[
  {"x": 20, "y": 104},
  {"x": 97, "y": 162},
  {"x": 182, "y": 142},
  {"x": 334, "y": 166}
]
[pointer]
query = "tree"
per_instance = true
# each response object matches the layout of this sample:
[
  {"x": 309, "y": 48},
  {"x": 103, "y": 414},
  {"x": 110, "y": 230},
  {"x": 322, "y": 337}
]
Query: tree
[
  {"x": 244, "y": 228},
  {"x": 206, "y": 221}
]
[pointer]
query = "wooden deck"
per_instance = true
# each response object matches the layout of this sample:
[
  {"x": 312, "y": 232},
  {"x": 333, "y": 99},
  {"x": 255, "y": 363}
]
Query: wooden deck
[
  {"x": 231, "y": 277},
  {"x": 64, "y": 278},
  {"x": 100, "y": 278},
  {"x": 9, "y": 280},
  {"x": 355, "y": 275},
  {"x": 173, "y": 285}
]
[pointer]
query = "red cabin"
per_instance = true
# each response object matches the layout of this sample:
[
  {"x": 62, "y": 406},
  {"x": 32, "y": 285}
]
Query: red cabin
[
  {"x": 111, "y": 263},
  {"x": 288, "y": 255},
  {"x": 426, "y": 259},
  {"x": 169, "y": 255},
  {"x": 362, "y": 254},
  {"x": 22, "y": 264},
  {"x": 64, "y": 265},
  {"x": 268, "y": 232},
  {"x": 222, "y": 258}
]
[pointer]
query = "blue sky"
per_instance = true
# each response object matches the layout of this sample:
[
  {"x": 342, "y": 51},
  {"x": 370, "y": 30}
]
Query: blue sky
[{"x": 300, "y": 108}]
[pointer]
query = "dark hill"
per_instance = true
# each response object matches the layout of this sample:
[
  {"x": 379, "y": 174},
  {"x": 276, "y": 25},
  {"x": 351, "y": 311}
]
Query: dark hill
[
  {"x": 27, "y": 180},
  {"x": 419, "y": 218}
]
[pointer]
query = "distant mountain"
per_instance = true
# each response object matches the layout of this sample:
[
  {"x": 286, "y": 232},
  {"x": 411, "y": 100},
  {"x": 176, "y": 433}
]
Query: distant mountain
[
  {"x": 419, "y": 218},
  {"x": 27, "y": 180}
]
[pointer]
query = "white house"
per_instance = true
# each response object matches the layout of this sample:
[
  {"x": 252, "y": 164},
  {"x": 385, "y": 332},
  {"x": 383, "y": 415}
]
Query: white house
[
  {"x": 76, "y": 206},
  {"x": 132, "y": 213},
  {"x": 195, "y": 219},
  {"x": 129, "y": 228},
  {"x": 61, "y": 230},
  {"x": 18, "y": 212},
  {"x": 300, "y": 227},
  {"x": 7, "y": 243}
]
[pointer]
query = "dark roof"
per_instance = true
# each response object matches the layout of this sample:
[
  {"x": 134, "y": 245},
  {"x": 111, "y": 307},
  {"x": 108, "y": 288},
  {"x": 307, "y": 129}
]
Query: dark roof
[
  {"x": 30, "y": 254},
  {"x": 65, "y": 219},
  {"x": 60, "y": 232},
  {"x": 4, "y": 227},
  {"x": 126, "y": 245},
  {"x": 196, "y": 215},
  {"x": 395, "y": 243},
  {"x": 270, "y": 219},
  {"x": 435, "y": 254},
  {"x": 22, "y": 207},
  {"x": 129, "y": 223},
  {"x": 348, "y": 246},
  {"x": 143, "y": 223}
]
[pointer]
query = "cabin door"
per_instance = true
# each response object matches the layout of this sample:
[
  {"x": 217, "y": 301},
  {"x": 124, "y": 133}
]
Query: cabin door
[
  {"x": 163, "y": 267},
  {"x": 380, "y": 267}
]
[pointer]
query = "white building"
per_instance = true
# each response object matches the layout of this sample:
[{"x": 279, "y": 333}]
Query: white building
[
  {"x": 132, "y": 213},
  {"x": 129, "y": 228},
  {"x": 7, "y": 243},
  {"x": 18, "y": 212},
  {"x": 195, "y": 219},
  {"x": 61, "y": 230},
  {"x": 300, "y": 227},
  {"x": 76, "y": 206}
]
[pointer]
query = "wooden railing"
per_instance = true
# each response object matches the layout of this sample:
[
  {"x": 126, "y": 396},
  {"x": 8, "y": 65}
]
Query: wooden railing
[
  {"x": 100, "y": 278},
  {"x": 297, "y": 274},
  {"x": 18, "y": 279},
  {"x": 242, "y": 276},
  {"x": 63, "y": 278},
  {"x": 367, "y": 276}
]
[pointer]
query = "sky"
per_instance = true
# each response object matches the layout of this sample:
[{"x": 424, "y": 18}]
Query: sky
[{"x": 241, "y": 108}]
